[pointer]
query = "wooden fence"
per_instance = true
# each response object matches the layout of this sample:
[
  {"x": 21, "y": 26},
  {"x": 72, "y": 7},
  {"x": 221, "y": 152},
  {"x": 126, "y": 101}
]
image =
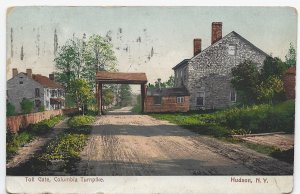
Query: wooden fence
[{"x": 15, "y": 123}]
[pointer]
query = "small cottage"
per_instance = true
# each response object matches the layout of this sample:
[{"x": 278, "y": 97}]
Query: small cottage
[{"x": 167, "y": 100}]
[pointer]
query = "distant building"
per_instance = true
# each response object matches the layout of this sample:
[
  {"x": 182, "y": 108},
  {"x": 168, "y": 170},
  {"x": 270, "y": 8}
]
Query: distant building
[
  {"x": 41, "y": 90},
  {"x": 207, "y": 75},
  {"x": 167, "y": 100},
  {"x": 289, "y": 83}
]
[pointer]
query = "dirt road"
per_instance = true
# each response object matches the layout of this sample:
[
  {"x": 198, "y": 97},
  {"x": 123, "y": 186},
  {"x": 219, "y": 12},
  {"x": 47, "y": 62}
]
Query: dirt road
[{"x": 123, "y": 144}]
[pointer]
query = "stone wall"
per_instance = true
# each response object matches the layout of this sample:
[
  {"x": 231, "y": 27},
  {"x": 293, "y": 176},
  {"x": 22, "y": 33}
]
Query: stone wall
[
  {"x": 168, "y": 104},
  {"x": 15, "y": 123},
  {"x": 210, "y": 71}
]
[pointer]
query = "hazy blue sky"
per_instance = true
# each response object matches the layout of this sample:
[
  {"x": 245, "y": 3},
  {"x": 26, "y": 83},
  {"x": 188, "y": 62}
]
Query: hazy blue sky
[{"x": 169, "y": 30}]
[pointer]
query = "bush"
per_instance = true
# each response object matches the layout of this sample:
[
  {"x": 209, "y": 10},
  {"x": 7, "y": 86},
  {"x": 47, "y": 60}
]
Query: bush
[
  {"x": 44, "y": 126},
  {"x": 252, "y": 119},
  {"x": 26, "y": 106},
  {"x": 80, "y": 121},
  {"x": 41, "y": 108},
  {"x": 10, "y": 109},
  {"x": 262, "y": 118},
  {"x": 14, "y": 141}
]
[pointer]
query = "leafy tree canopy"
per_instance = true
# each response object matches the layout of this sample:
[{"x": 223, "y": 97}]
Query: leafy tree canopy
[
  {"x": 273, "y": 67},
  {"x": 125, "y": 95},
  {"x": 269, "y": 88},
  {"x": 290, "y": 58},
  {"x": 81, "y": 59},
  {"x": 168, "y": 84},
  {"x": 81, "y": 92},
  {"x": 245, "y": 80}
]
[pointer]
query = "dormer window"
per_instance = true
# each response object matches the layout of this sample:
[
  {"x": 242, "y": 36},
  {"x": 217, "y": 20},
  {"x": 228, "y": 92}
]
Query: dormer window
[{"x": 232, "y": 49}]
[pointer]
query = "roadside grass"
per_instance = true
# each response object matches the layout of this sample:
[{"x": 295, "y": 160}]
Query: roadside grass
[
  {"x": 65, "y": 146},
  {"x": 69, "y": 144},
  {"x": 15, "y": 141},
  {"x": 223, "y": 124},
  {"x": 137, "y": 108},
  {"x": 81, "y": 120}
]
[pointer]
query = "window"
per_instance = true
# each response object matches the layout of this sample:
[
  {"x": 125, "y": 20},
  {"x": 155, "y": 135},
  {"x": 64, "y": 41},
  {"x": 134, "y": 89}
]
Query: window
[
  {"x": 233, "y": 96},
  {"x": 157, "y": 100},
  {"x": 21, "y": 82},
  {"x": 37, "y": 92},
  {"x": 180, "y": 99},
  {"x": 184, "y": 74},
  {"x": 53, "y": 93},
  {"x": 232, "y": 49},
  {"x": 200, "y": 98}
]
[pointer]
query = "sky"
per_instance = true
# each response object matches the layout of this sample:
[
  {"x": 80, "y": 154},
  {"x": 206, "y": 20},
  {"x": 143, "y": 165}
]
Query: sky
[{"x": 168, "y": 31}]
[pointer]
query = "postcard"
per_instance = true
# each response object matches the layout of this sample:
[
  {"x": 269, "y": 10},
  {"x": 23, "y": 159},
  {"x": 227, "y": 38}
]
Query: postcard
[{"x": 150, "y": 99}]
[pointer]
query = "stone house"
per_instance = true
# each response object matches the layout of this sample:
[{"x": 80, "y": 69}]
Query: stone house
[
  {"x": 41, "y": 90},
  {"x": 167, "y": 100},
  {"x": 207, "y": 74}
]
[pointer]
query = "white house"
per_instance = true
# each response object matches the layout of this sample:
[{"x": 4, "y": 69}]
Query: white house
[{"x": 41, "y": 90}]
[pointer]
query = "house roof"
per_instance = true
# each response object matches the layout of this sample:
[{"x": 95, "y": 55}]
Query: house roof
[
  {"x": 167, "y": 92},
  {"x": 120, "y": 77},
  {"x": 183, "y": 62},
  {"x": 45, "y": 81}
]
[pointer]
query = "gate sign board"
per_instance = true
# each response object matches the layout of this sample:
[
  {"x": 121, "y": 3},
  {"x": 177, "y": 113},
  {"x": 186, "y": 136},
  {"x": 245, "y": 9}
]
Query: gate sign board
[{"x": 104, "y": 77}]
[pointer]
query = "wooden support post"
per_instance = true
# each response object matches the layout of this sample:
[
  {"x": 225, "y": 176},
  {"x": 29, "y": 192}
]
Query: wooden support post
[
  {"x": 99, "y": 98},
  {"x": 143, "y": 94}
]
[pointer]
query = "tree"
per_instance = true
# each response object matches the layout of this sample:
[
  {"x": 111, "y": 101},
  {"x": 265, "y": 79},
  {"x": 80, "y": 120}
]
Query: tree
[
  {"x": 290, "y": 58},
  {"x": 98, "y": 56},
  {"x": 108, "y": 96},
  {"x": 81, "y": 93},
  {"x": 125, "y": 95},
  {"x": 168, "y": 84},
  {"x": 10, "y": 109},
  {"x": 26, "y": 106},
  {"x": 81, "y": 59},
  {"x": 245, "y": 80},
  {"x": 68, "y": 63},
  {"x": 269, "y": 89},
  {"x": 273, "y": 67}
]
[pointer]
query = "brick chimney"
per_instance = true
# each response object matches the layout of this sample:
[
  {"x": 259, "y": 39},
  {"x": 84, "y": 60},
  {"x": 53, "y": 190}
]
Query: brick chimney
[
  {"x": 216, "y": 32},
  {"x": 51, "y": 76},
  {"x": 14, "y": 72},
  {"x": 29, "y": 72},
  {"x": 197, "y": 46}
]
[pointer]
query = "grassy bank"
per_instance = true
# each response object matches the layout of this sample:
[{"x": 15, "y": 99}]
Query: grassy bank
[
  {"x": 70, "y": 143},
  {"x": 253, "y": 119},
  {"x": 238, "y": 121},
  {"x": 15, "y": 141}
]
